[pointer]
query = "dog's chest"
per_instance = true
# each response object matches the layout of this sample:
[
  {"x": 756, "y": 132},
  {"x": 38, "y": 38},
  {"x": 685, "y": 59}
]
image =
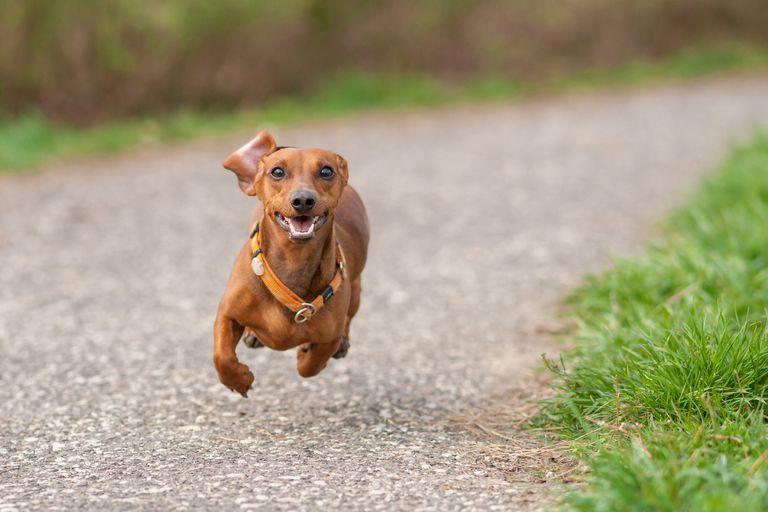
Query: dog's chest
[{"x": 276, "y": 327}]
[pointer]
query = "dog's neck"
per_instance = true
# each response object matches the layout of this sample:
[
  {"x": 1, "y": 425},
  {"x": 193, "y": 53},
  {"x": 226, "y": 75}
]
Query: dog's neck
[{"x": 306, "y": 268}]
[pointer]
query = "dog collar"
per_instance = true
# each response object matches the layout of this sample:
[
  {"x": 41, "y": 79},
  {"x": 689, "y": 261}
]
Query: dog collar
[{"x": 304, "y": 310}]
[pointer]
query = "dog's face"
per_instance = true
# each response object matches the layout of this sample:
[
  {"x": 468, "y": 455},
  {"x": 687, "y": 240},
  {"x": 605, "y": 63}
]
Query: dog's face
[{"x": 299, "y": 188}]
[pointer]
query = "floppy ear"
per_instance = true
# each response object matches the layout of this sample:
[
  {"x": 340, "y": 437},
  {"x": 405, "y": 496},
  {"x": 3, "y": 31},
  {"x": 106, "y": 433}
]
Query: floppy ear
[
  {"x": 343, "y": 168},
  {"x": 246, "y": 161}
]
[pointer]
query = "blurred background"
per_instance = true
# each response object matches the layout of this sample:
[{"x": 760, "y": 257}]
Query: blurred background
[
  {"x": 80, "y": 63},
  {"x": 111, "y": 268}
]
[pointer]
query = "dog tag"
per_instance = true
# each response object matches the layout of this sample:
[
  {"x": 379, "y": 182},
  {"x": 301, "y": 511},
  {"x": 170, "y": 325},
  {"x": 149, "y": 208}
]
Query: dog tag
[{"x": 257, "y": 266}]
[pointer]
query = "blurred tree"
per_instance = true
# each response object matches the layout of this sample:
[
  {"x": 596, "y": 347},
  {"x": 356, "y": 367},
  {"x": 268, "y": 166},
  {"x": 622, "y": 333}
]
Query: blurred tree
[{"x": 89, "y": 60}]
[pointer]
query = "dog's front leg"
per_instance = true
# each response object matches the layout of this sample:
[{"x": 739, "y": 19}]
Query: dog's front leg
[
  {"x": 312, "y": 357},
  {"x": 232, "y": 373}
]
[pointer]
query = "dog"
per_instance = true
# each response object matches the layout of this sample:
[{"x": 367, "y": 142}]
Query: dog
[{"x": 296, "y": 281}]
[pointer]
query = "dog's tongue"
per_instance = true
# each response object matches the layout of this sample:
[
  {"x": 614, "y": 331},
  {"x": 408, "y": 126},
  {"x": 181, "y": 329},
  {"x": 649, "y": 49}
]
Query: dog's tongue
[{"x": 301, "y": 224}]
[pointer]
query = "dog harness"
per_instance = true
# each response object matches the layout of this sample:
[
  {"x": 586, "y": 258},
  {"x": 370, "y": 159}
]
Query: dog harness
[{"x": 304, "y": 310}]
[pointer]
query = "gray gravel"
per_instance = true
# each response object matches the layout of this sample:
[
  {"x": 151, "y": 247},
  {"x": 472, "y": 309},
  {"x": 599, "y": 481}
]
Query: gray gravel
[{"x": 482, "y": 218}]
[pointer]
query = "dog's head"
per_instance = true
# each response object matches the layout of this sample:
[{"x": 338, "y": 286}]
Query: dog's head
[{"x": 299, "y": 188}]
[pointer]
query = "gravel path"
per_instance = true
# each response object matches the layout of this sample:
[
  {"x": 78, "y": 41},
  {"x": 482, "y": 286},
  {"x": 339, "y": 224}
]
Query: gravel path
[{"x": 482, "y": 218}]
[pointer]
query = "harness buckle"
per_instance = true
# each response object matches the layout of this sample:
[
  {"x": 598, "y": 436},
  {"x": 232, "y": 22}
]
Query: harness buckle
[{"x": 305, "y": 313}]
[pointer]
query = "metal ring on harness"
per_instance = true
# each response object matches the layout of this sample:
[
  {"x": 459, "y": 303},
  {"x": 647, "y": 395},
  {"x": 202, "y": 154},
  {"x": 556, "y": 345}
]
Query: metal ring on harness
[{"x": 305, "y": 313}]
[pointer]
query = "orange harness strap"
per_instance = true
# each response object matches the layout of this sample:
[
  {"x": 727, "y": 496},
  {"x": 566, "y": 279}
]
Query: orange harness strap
[{"x": 304, "y": 310}]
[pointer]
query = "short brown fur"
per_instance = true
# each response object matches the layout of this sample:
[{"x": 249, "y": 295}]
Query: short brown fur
[{"x": 304, "y": 266}]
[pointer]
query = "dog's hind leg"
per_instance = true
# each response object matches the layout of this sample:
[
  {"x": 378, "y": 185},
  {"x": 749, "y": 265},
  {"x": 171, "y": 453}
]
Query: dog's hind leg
[
  {"x": 343, "y": 349},
  {"x": 354, "y": 305},
  {"x": 251, "y": 340}
]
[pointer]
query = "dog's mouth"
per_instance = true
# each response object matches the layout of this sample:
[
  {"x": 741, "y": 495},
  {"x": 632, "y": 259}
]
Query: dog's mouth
[{"x": 302, "y": 227}]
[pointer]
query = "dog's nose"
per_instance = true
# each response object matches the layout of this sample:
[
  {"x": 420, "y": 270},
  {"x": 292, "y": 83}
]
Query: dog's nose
[{"x": 303, "y": 200}]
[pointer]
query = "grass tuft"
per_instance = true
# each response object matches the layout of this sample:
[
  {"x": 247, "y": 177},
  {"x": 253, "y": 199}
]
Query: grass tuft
[{"x": 666, "y": 393}]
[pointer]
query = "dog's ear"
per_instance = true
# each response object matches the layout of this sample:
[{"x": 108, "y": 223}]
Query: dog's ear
[
  {"x": 343, "y": 168},
  {"x": 246, "y": 161}
]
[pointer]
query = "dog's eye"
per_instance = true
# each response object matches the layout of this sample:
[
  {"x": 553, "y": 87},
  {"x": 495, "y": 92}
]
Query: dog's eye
[
  {"x": 326, "y": 173},
  {"x": 277, "y": 173}
]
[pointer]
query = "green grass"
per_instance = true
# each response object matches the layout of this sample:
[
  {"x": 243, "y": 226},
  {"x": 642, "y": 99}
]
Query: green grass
[
  {"x": 31, "y": 141},
  {"x": 665, "y": 394}
]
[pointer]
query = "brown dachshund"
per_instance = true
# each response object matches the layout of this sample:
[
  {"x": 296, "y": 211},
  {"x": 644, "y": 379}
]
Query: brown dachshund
[{"x": 296, "y": 282}]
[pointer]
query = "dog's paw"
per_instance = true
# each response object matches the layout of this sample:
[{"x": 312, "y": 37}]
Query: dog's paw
[
  {"x": 343, "y": 349},
  {"x": 237, "y": 377},
  {"x": 251, "y": 341}
]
